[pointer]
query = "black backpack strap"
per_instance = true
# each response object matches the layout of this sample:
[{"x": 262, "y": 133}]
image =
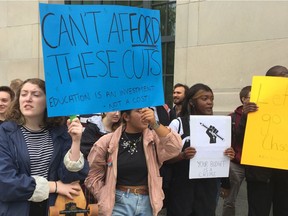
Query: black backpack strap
[
  {"x": 179, "y": 125},
  {"x": 186, "y": 126}
]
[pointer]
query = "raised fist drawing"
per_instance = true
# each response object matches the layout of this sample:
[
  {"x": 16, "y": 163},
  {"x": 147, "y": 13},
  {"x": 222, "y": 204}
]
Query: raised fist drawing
[{"x": 212, "y": 133}]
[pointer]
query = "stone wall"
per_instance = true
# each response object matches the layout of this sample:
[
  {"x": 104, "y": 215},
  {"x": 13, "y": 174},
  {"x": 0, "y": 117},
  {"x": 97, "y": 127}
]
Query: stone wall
[{"x": 224, "y": 43}]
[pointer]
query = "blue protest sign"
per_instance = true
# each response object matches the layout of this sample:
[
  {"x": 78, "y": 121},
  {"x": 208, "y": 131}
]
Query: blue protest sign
[{"x": 100, "y": 58}]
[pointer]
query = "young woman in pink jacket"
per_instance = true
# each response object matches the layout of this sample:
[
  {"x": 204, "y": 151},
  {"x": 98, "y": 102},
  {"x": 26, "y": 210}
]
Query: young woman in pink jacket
[{"x": 124, "y": 165}]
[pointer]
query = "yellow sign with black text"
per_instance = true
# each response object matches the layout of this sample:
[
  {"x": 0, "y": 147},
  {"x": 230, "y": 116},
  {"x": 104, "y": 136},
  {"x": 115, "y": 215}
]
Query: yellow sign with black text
[{"x": 266, "y": 141}]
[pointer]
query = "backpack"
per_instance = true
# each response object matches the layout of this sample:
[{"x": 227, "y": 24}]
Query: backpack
[
  {"x": 181, "y": 168},
  {"x": 186, "y": 129},
  {"x": 168, "y": 170}
]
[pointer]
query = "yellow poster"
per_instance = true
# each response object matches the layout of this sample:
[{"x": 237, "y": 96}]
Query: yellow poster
[{"x": 266, "y": 135}]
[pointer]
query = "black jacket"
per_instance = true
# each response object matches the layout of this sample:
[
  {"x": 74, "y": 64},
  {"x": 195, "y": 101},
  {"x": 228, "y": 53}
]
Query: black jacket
[{"x": 252, "y": 173}]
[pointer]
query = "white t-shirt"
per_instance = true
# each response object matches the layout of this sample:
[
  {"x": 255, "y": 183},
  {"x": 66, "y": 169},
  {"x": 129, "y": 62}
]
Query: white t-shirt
[{"x": 176, "y": 125}]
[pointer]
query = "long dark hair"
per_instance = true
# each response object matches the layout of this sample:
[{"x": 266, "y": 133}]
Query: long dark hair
[
  {"x": 14, "y": 112},
  {"x": 128, "y": 112},
  {"x": 189, "y": 102}
]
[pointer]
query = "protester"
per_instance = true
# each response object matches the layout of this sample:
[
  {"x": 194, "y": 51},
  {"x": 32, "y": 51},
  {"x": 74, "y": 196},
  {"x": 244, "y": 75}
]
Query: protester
[
  {"x": 128, "y": 161},
  {"x": 6, "y": 97},
  {"x": 97, "y": 126},
  {"x": 266, "y": 187},
  {"x": 179, "y": 92},
  {"x": 15, "y": 84},
  {"x": 237, "y": 171},
  {"x": 194, "y": 197},
  {"x": 40, "y": 157},
  {"x": 161, "y": 114}
]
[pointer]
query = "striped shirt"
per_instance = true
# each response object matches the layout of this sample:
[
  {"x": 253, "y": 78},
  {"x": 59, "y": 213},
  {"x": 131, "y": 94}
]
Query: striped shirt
[{"x": 40, "y": 148}]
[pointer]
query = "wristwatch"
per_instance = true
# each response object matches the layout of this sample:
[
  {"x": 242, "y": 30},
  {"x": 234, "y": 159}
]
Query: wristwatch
[{"x": 155, "y": 125}]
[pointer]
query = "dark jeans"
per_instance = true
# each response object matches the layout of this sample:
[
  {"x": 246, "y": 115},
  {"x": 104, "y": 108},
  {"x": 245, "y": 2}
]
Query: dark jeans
[
  {"x": 38, "y": 208},
  {"x": 261, "y": 195},
  {"x": 195, "y": 197},
  {"x": 236, "y": 176}
]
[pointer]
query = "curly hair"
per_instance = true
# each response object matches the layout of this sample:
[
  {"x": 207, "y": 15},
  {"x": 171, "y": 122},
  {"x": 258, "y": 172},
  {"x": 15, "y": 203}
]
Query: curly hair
[{"x": 14, "y": 113}]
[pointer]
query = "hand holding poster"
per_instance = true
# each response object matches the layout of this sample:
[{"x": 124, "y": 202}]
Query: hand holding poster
[
  {"x": 100, "y": 58},
  {"x": 210, "y": 136},
  {"x": 265, "y": 142}
]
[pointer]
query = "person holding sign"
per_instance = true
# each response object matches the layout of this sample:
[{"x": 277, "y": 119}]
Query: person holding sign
[
  {"x": 193, "y": 197},
  {"x": 265, "y": 186},
  {"x": 237, "y": 171},
  {"x": 40, "y": 157},
  {"x": 124, "y": 165}
]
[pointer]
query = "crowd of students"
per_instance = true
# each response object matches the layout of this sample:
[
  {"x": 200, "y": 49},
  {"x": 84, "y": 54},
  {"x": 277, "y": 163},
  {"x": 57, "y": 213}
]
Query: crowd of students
[{"x": 119, "y": 155}]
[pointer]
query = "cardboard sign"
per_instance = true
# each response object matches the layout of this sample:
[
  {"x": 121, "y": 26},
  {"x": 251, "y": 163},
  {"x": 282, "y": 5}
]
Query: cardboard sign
[
  {"x": 210, "y": 136},
  {"x": 100, "y": 58},
  {"x": 265, "y": 141}
]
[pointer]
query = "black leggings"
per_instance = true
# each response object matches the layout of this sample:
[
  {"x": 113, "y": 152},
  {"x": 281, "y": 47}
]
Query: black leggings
[{"x": 38, "y": 208}]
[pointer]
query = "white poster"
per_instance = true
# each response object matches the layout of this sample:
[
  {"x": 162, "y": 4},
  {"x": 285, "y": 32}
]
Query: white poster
[{"x": 210, "y": 136}]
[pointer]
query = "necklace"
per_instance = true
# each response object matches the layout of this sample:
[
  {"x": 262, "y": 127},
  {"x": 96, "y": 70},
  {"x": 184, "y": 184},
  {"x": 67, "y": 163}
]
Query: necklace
[{"x": 130, "y": 145}]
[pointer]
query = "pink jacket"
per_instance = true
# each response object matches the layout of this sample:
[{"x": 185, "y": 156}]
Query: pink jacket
[{"x": 157, "y": 150}]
